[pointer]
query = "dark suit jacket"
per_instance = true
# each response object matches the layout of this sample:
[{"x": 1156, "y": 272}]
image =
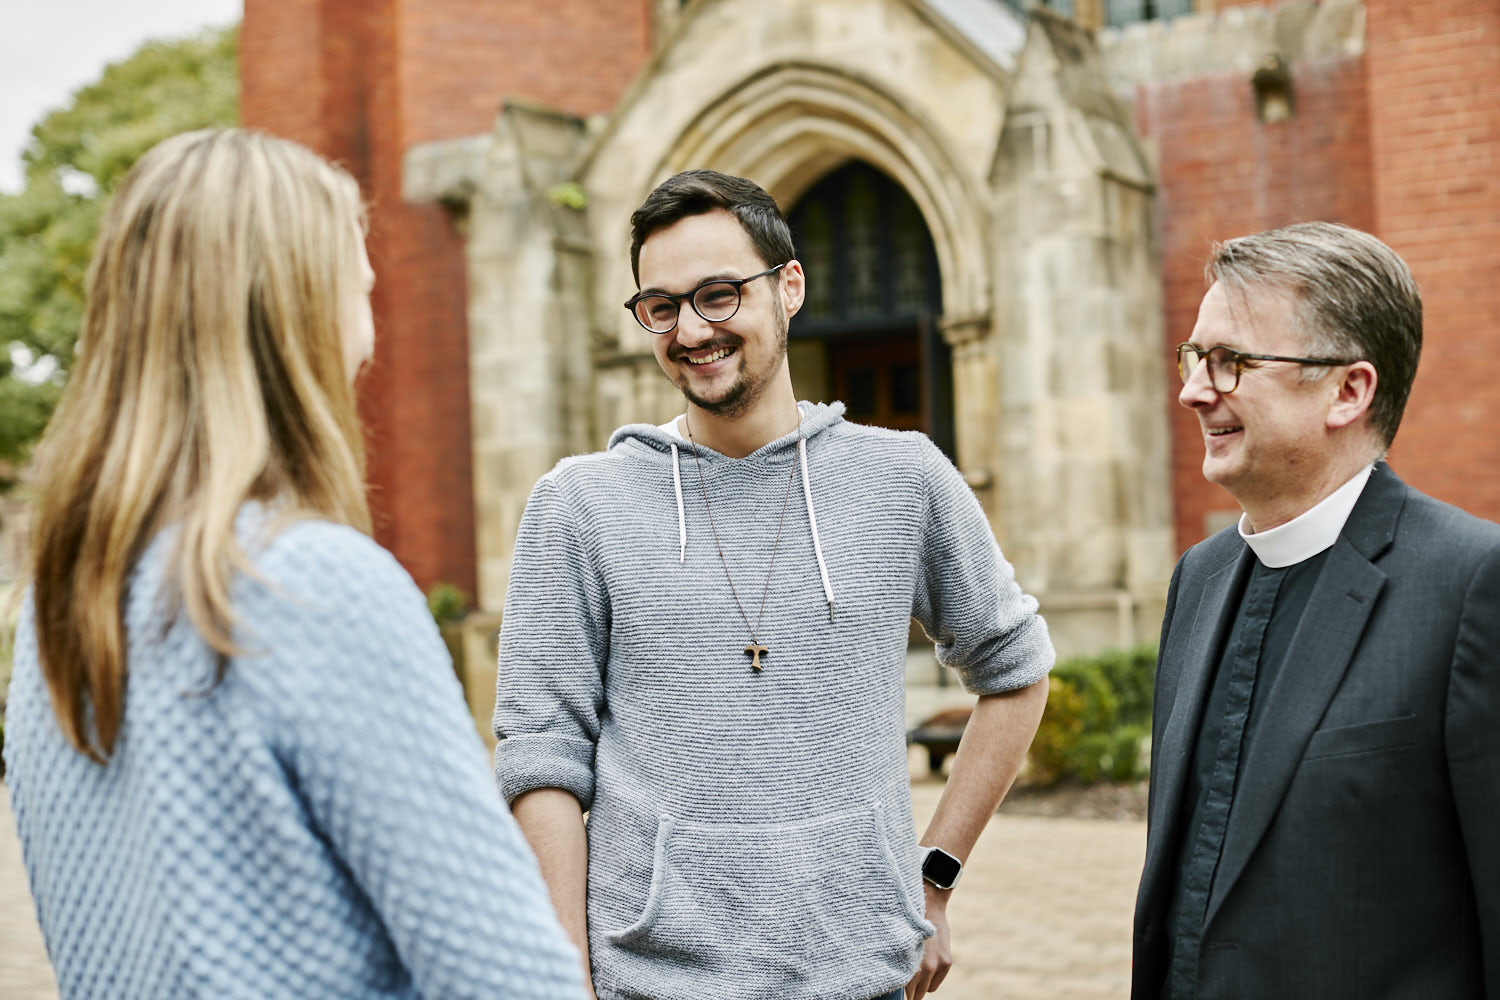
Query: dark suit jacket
[{"x": 1362, "y": 857}]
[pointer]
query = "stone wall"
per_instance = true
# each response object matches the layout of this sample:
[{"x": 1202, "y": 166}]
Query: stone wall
[
  {"x": 529, "y": 269},
  {"x": 1080, "y": 437}
]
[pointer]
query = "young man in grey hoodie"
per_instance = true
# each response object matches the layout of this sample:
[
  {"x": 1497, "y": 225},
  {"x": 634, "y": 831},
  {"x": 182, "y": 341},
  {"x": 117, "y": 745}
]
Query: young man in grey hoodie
[{"x": 704, "y": 648}]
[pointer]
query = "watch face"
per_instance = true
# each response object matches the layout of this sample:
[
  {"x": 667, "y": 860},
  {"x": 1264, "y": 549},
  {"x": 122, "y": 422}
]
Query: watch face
[{"x": 941, "y": 868}]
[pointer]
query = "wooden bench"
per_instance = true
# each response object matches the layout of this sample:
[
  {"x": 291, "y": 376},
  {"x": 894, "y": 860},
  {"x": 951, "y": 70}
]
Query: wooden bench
[{"x": 939, "y": 735}]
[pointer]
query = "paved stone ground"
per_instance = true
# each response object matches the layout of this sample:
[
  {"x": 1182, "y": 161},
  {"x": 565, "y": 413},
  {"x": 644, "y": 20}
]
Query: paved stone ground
[
  {"x": 1043, "y": 912},
  {"x": 1044, "y": 908}
]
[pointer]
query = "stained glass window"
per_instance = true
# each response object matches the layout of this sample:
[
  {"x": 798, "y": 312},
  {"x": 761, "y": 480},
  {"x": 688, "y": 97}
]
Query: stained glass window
[
  {"x": 867, "y": 253},
  {"x": 863, "y": 247},
  {"x": 815, "y": 249},
  {"x": 1061, "y": 6},
  {"x": 1117, "y": 12},
  {"x": 911, "y": 246}
]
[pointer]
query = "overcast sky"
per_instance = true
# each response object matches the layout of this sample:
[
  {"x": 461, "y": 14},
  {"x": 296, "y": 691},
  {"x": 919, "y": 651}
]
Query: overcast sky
[{"x": 50, "y": 49}]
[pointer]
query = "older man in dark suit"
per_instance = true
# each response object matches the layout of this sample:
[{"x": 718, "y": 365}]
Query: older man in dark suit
[{"x": 1325, "y": 757}]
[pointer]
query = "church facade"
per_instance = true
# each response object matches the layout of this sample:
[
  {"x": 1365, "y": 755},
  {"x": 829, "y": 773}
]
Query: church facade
[{"x": 1002, "y": 215}]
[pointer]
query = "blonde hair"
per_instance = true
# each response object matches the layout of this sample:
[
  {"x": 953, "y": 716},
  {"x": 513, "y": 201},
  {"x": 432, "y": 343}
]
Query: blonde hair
[{"x": 210, "y": 372}]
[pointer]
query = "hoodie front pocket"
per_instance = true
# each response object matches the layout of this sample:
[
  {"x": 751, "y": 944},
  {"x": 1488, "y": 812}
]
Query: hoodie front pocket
[{"x": 814, "y": 907}]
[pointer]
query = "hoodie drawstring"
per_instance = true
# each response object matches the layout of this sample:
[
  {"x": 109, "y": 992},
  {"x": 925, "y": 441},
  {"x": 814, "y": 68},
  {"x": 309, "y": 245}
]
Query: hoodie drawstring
[
  {"x": 812, "y": 520},
  {"x": 681, "y": 516}
]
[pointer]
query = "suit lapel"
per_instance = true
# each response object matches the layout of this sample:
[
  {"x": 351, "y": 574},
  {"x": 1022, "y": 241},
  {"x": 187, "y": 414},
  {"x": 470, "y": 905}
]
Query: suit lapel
[
  {"x": 1317, "y": 659},
  {"x": 1217, "y": 604}
]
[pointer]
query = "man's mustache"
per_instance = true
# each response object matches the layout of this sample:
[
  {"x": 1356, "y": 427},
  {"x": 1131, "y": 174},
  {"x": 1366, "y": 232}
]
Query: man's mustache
[{"x": 676, "y": 351}]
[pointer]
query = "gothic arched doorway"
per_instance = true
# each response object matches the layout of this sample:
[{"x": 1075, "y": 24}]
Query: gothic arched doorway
[{"x": 867, "y": 333}]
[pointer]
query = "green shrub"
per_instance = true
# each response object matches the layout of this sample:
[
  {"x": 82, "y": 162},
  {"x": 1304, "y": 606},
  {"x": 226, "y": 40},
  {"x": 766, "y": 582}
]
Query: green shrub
[
  {"x": 1097, "y": 719},
  {"x": 447, "y": 603}
]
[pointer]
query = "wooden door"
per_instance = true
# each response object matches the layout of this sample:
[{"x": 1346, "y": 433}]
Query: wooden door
[{"x": 880, "y": 380}]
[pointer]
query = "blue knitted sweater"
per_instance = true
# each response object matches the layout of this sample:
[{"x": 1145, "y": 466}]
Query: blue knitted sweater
[
  {"x": 318, "y": 825},
  {"x": 751, "y": 834}
]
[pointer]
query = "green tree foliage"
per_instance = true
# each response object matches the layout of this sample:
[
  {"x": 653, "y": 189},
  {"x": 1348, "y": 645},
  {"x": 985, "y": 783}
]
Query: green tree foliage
[{"x": 76, "y": 157}]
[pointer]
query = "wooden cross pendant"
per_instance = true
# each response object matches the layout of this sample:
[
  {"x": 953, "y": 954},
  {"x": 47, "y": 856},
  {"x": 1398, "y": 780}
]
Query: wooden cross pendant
[{"x": 754, "y": 651}]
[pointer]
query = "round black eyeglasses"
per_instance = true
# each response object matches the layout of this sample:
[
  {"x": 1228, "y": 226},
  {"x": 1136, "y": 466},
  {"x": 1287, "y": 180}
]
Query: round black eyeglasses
[
  {"x": 1226, "y": 365},
  {"x": 715, "y": 300}
]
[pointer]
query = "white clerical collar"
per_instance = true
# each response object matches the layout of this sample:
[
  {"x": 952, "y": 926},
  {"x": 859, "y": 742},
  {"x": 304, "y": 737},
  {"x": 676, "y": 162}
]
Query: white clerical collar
[{"x": 1310, "y": 532}]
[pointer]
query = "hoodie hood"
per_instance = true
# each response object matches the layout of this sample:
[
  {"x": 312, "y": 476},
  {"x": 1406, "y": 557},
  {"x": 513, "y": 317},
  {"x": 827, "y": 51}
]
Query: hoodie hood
[{"x": 816, "y": 418}]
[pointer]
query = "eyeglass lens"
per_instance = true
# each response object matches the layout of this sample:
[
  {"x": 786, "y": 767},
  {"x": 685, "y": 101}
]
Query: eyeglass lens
[
  {"x": 715, "y": 302},
  {"x": 1223, "y": 373}
]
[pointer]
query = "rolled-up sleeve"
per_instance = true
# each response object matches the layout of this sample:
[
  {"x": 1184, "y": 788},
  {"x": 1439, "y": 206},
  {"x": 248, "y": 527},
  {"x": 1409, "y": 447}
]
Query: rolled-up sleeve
[
  {"x": 554, "y": 644},
  {"x": 967, "y": 599}
]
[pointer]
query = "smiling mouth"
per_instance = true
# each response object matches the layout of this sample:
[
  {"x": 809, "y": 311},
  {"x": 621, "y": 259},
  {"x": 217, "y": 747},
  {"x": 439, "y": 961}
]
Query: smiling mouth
[
  {"x": 711, "y": 357},
  {"x": 1221, "y": 431}
]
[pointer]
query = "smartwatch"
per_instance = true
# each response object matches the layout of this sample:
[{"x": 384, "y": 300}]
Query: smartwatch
[{"x": 941, "y": 868}]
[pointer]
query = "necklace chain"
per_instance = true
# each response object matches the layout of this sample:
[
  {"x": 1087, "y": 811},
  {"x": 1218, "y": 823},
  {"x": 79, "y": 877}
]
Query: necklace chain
[{"x": 776, "y": 545}]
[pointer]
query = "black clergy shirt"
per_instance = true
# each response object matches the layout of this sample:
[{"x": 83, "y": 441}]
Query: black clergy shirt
[{"x": 1201, "y": 837}]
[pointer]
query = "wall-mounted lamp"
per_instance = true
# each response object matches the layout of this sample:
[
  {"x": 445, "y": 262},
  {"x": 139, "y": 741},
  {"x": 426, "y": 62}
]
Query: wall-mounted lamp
[{"x": 1273, "y": 90}]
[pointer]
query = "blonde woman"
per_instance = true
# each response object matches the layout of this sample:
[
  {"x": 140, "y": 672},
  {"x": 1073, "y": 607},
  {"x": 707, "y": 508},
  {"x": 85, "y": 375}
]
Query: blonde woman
[{"x": 239, "y": 760}]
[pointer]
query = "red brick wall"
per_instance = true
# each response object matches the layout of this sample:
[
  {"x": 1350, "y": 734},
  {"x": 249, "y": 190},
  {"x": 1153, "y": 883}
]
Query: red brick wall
[
  {"x": 462, "y": 57},
  {"x": 1225, "y": 174},
  {"x": 362, "y": 81},
  {"x": 281, "y": 70},
  {"x": 417, "y": 402},
  {"x": 1435, "y": 98}
]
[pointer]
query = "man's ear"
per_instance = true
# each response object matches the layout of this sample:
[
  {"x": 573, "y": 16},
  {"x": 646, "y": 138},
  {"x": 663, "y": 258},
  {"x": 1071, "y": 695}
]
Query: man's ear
[
  {"x": 793, "y": 287},
  {"x": 1355, "y": 392}
]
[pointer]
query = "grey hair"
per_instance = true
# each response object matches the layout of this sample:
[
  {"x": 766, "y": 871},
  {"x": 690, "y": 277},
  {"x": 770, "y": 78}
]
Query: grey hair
[{"x": 1352, "y": 297}]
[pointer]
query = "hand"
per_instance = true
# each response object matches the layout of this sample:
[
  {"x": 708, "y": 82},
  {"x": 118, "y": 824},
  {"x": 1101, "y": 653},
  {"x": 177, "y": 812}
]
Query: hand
[{"x": 937, "y": 954}]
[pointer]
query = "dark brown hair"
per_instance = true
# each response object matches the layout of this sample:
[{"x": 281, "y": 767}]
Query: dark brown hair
[{"x": 695, "y": 192}]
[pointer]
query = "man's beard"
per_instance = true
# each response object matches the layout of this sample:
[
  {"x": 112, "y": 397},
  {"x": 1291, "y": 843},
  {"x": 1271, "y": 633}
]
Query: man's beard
[{"x": 748, "y": 386}]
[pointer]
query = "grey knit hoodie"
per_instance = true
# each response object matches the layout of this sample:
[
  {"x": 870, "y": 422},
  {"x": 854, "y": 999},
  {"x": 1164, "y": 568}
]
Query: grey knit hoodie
[{"x": 750, "y": 834}]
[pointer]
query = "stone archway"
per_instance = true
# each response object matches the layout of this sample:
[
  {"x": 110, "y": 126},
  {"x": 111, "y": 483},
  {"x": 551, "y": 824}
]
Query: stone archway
[
  {"x": 791, "y": 123},
  {"x": 868, "y": 334}
]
